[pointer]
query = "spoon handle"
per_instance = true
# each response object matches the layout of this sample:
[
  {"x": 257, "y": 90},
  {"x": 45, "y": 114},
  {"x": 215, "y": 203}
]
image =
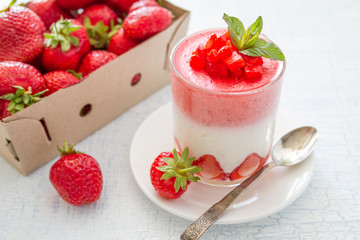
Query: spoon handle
[{"x": 197, "y": 228}]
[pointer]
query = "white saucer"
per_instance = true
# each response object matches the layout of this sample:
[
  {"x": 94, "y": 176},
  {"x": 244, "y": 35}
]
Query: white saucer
[{"x": 277, "y": 189}]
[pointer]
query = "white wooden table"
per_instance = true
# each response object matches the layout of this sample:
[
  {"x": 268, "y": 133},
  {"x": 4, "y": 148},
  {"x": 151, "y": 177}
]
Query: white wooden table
[{"x": 320, "y": 40}]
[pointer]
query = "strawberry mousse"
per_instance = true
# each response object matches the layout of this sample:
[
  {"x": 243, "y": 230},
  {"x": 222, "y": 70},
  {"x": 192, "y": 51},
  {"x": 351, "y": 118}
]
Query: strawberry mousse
[{"x": 224, "y": 105}]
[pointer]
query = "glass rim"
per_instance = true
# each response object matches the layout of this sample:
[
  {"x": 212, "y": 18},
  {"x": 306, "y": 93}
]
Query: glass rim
[{"x": 278, "y": 75}]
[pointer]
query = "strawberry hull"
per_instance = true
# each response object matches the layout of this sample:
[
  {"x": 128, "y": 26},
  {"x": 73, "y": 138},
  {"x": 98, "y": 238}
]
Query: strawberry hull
[{"x": 29, "y": 138}]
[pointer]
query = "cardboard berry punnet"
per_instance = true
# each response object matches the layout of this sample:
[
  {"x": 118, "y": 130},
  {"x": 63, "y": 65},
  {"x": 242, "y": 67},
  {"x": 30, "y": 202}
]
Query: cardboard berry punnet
[{"x": 29, "y": 138}]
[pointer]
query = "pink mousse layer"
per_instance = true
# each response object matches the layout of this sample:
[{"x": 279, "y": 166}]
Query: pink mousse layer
[{"x": 224, "y": 101}]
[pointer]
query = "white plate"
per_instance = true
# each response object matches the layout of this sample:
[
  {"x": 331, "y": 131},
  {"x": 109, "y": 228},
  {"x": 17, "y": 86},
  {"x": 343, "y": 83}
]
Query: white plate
[{"x": 277, "y": 189}]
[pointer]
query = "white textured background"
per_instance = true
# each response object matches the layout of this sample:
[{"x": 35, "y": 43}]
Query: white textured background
[{"x": 320, "y": 40}]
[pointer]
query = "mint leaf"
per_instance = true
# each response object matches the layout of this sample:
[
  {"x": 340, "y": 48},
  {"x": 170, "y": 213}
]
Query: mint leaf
[
  {"x": 236, "y": 30},
  {"x": 251, "y": 34},
  {"x": 265, "y": 49},
  {"x": 248, "y": 42}
]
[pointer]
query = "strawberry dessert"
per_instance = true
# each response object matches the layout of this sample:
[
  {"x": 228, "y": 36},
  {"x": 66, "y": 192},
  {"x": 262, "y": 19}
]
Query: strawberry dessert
[{"x": 226, "y": 85}]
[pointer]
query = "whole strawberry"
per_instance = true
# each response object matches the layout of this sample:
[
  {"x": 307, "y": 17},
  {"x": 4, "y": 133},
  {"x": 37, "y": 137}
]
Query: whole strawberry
[
  {"x": 171, "y": 173},
  {"x": 19, "y": 82},
  {"x": 67, "y": 43},
  {"x": 75, "y": 4},
  {"x": 95, "y": 59},
  {"x": 98, "y": 20},
  {"x": 48, "y": 10},
  {"x": 146, "y": 22},
  {"x": 143, "y": 3},
  {"x": 21, "y": 35},
  {"x": 123, "y": 5},
  {"x": 96, "y": 13},
  {"x": 57, "y": 80},
  {"x": 120, "y": 43},
  {"x": 76, "y": 177}
]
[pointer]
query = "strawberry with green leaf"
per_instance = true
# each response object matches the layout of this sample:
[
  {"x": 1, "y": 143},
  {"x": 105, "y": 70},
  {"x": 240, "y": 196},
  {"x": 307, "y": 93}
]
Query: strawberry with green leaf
[
  {"x": 67, "y": 43},
  {"x": 172, "y": 172},
  {"x": 76, "y": 176},
  {"x": 21, "y": 86},
  {"x": 99, "y": 20}
]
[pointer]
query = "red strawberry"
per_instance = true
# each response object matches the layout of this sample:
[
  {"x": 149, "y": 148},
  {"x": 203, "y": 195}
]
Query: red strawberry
[
  {"x": 3, "y": 109},
  {"x": 252, "y": 163},
  {"x": 146, "y": 22},
  {"x": 98, "y": 20},
  {"x": 95, "y": 59},
  {"x": 120, "y": 43},
  {"x": 143, "y": 3},
  {"x": 57, "y": 80},
  {"x": 65, "y": 46},
  {"x": 75, "y": 4},
  {"x": 48, "y": 10},
  {"x": 76, "y": 177},
  {"x": 21, "y": 35},
  {"x": 171, "y": 173},
  {"x": 211, "y": 168},
  {"x": 19, "y": 74},
  {"x": 123, "y": 5},
  {"x": 96, "y": 13},
  {"x": 18, "y": 82}
]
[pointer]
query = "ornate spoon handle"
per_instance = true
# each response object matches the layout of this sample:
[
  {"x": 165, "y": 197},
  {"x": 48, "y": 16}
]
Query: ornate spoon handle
[{"x": 197, "y": 228}]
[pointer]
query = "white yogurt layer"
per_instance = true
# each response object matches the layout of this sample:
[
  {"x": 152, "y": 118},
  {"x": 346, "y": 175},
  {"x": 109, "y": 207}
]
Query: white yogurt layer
[{"x": 229, "y": 145}]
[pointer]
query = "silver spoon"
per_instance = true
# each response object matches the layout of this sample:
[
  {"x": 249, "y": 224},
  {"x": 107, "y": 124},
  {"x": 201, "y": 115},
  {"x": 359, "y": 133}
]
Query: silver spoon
[{"x": 291, "y": 149}]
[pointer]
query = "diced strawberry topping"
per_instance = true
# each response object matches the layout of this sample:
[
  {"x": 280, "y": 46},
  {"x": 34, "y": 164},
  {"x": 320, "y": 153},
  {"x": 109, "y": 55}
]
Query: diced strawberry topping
[
  {"x": 213, "y": 56},
  {"x": 217, "y": 69},
  {"x": 225, "y": 52},
  {"x": 221, "y": 59},
  {"x": 252, "y": 163},
  {"x": 197, "y": 62},
  {"x": 253, "y": 72},
  {"x": 234, "y": 61},
  {"x": 211, "y": 168},
  {"x": 210, "y": 42},
  {"x": 253, "y": 61}
]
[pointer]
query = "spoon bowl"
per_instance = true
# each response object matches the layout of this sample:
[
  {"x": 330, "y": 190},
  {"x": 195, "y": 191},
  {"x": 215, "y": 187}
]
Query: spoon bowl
[{"x": 293, "y": 148}]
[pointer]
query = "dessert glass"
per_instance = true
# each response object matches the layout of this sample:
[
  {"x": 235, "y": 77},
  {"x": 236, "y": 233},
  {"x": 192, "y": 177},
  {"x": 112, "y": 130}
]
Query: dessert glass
[{"x": 229, "y": 123}]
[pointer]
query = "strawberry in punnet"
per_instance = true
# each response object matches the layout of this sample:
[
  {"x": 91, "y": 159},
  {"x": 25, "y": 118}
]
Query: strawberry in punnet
[
  {"x": 96, "y": 13},
  {"x": 143, "y": 3},
  {"x": 123, "y": 5},
  {"x": 211, "y": 168},
  {"x": 4, "y": 113},
  {"x": 146, "y": 22},
  {"x": 57, "y": 80},
  {"x": 48, "y": 10},
  {"x": 21, "y": 35},
  {"x": 95, "y": 59},
  {"x": 21, "y": 85},
  {"x": 251, "y": 164},
  {"x": 98, "y": 20},
  {"x": 120, "y": 43},
  {"x": 171, "y": 173},
  {"x": 75, "y": 4},
  {"x": 76, "y": 177},
  {"x": 67, "y": 43}
]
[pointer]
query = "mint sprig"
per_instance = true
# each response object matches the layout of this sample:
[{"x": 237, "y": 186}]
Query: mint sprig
[{"x": 248, "y": 42}]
